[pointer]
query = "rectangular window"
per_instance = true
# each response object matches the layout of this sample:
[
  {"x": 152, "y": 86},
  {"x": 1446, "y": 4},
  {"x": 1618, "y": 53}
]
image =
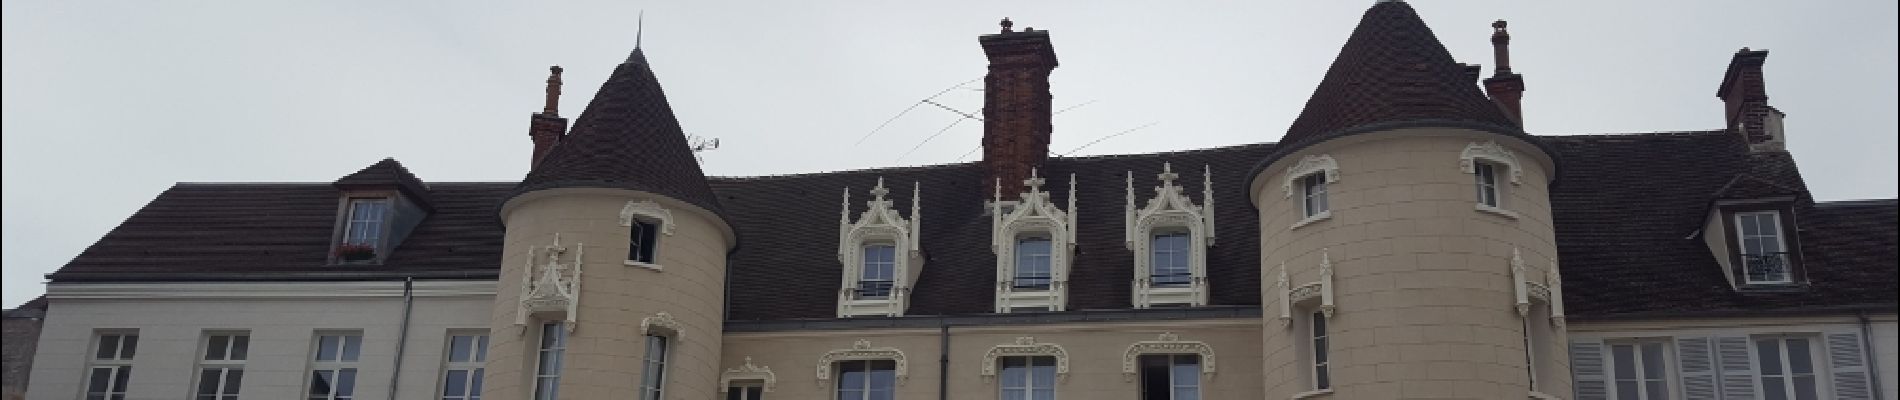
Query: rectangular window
[
  {"x": 1029, "y": 378},
  {"x": 462, "y": 370},
  {"x": 333, "y": 366},
  {"x": 1170, "y": 377},
  {"x": 1032, "y": 263},
  {"x": 547, "y": 373},
  {"x": 221, "y": 370},
  {"x": 745, "y": 393},
  {"x": 1322, "y": 374},
  {"x": 111, "y": 365},
  {"x": 880, "y": 266},
  {"x": 654, "y": 379},
  {"x": 867, "y": 379},
  {"x": 640, "y": 246},
  {"x": 1787, "y": 368},
  {"x": 1170, "y": 260},
  {"x": 1487, "y": 177},
  {"x": 365, "y": 226},
  {"x": 1764, "y": 253},
  {"x": 1313, "y": 194},
  {"x": 1639, "y": 371}
]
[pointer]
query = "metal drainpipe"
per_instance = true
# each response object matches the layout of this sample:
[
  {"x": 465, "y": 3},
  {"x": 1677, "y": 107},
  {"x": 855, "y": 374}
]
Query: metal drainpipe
[
  {"x": 402, "y": 332},
  {"x": 1867, "y": 346},
  {"x": 943, "y": 361}
]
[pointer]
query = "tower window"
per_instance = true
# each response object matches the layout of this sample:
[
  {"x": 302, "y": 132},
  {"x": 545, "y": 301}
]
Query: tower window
[
  {"x": 641, "y": 244},
  {"x": 1486, "y": 176},
  {"x": 1313, "y": 194}
]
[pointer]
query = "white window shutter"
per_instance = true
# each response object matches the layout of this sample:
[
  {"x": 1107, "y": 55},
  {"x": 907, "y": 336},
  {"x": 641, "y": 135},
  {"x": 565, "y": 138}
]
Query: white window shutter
[
  {"x": 1590, "y": 379},
  {"x": 1849, "y": 367},
  {"x": 1696, "y": 367},
  {"x": 1736, "y": 363}
]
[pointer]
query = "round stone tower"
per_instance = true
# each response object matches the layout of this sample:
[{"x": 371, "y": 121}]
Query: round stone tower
[
  {"x": 1407, "y": 245},
  {"x": 614, "y": 257}
]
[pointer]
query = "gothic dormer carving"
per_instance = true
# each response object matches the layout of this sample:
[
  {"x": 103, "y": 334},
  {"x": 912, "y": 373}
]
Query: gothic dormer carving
[
  {"x": 1168, "y": 219},
  {"x": 1032, "y": 216},
  {"x": 1317, "y": 294},
  {"x": 1527, "y": 289},
  {"x": 1493, "y": 152},
  {"x": 551, "y": 288},
  {"x": 879, "y": 232}
]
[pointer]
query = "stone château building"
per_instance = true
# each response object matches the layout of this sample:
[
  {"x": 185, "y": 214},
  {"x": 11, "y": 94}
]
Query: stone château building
[{"x": 1405, "y": 238}]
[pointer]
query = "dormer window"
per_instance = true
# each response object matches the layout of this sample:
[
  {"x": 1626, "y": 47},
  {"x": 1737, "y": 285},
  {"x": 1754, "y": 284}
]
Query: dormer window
[
  {"x": 376, "y": 208},
  {"x": 1032, "y": 263},
  {"x": 1764, "y": 255},
  {"x": 1169, "y": 238},
  {"x": 1170, "y": 259},
  {"x": 641, "y": 242},
  {"x": 880, "y": 256},
  {"x": 367, "y": 218}
]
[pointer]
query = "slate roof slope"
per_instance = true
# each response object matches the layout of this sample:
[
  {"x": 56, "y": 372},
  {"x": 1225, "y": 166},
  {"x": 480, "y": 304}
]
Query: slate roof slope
[
  {"x": 1629, "y": 206},
  {"x": 626, "y": 138},
  {"x": 387, "y": 172}
]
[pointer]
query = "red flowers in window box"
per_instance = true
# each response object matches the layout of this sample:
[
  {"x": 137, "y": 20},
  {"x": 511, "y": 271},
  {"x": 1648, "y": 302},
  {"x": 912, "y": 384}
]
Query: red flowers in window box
[{"x": 355, "y": 252}]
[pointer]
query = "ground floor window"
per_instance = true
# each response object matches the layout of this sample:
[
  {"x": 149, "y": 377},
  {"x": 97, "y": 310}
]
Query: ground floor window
[
  {"x": 867, "y": 379},
  {"x": 1171, "y": 377}
]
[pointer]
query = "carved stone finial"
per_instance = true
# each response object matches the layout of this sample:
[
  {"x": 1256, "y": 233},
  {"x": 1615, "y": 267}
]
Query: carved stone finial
[
  {"x": 1007, "y": 24},
  {"x": 1034, "y": 182},
  {"x": 1167, "y": 174}
]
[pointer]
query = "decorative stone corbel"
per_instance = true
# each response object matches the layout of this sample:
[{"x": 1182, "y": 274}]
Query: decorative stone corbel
[
  {"x": 1284, "y": 293},
  {"x": 664, "y": 325},
  {"x": 1490, "y": 151},
  {"x": 1520, "y": 284},
  {"x": 1309, "y": 165},
  {"x": 1026, "y": 346},
  {"x": 551, "y": 287},
  {"x": 1556, "y": 283}
]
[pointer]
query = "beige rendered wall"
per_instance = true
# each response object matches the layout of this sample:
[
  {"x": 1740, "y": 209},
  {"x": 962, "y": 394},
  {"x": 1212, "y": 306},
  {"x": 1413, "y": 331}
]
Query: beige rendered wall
[
  {"x": 604, "y": 353},
  {"x": 1095, "y": 352},
  {"x": 1422, "y": 280}
]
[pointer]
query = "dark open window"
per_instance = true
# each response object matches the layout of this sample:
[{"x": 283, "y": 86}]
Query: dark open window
[
  {"x": 640, "y": 246},
  {"x": 1170, "y": 377}
]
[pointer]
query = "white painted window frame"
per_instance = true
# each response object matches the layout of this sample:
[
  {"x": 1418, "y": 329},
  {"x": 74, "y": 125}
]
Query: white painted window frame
[
  {"x": 1668, "y": 380},
  {"x": 1486, "y": 178},
  {"x": 337, "y": 366},
  {"x": 1173, "y": 382},
  {"x": 1321, "y": 342},
  {"x": 1495, "y": 155},
  {"x": 1781, "y": 242},
  {"x": 654, "y": 214},
  {"x": 748, "y": 375},
  {"x": 543, "y": 348},
  {"x": 1030, "y": 385},
  {"x": 1167, "y": 343},
  {"x": 652, "y": 383},
  {"x": 1170, "y": 210},
  {"x": 879, "y": 224},
  {"x": 120, "y": 363},
  {"x": 472, "y": 367},
  {"x": 861, "y": 350},
  {"x": 225, "y": 365},
  {"x": 1819, "y": 366},
  {"x": 1311, "y": 165},
  {"x": 379, "y": 223},
  {"x": 1033, "y": 214}
]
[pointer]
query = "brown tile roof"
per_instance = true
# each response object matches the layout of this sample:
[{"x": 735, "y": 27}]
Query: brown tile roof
[{"x": 626, "y": 138}]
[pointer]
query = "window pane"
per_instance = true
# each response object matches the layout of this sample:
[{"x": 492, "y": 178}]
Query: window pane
[
  {"x": 1653, "y": 361},
  {"x": 1323, "y": 378},
  {"x": 128, "y": 346},
  {"x": 346, "y": 382},
  {"x": 1319, "y": 351},
  {"x": 1187, "y": 372},
  {"x": 233, "y": 379},
  {"x": 1804, "y": 388},
  {"x": 1014, "y": 372},
  {"x": 320, "y": 382},
  {"x": 101, "y": 378},
  {"x": 1624, "y": 358},
  {"x": 475, "y": 384},
  {"x": 108, "y": 347},
  {"x": 546, "y": 388},
  {"x": 215, "y": 347},
  {"x": 460, "y": 348},
  {"x": 481, "y": 348},
  {"x": 327, "y": 347},
  {"x": 118, "y": 379},
  {"x": 851, "y": 375},
  {"x": 1799, "y": 361},
  {"x": 352, "y": 346},
  {"x": 1187, "y": 393},
  {"x": 455, "y": 384},
  {"x": 1154, "y": 377},
  {"x": 208, "y": 381},
  {"x": 1628, "y": 390},
  {"x": 1773, "y": 388},
  {"x": 240, "y": 347},
  {"x": 1770, "y": 351},
  {"x": 883, "y": 375},
  {"x": 1043, "y": 374},
  {"x": 1657, "y": 390}
]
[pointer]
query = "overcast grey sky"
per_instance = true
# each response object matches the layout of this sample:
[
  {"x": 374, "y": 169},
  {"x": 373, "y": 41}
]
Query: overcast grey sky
[{"x": 107, "y": 103}]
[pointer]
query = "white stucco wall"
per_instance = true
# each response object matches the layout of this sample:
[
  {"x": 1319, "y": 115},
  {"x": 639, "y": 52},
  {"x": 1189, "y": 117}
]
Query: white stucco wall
[{"x": 282, "y": 319}]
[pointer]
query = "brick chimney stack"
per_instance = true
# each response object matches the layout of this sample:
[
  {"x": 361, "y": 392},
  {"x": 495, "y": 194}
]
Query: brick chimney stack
[
  {"x": 547, "y": 127},
  {"x": 1506, "y": 88},
  {"x": 1745, "y": 97},
  {"x": 1016, "y": 105}
]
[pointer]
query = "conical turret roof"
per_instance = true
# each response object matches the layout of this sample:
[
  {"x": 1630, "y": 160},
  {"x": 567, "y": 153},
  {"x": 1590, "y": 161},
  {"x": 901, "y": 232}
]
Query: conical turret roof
[
  {"x": 627, "y": 138},
  {"x": 1393, "y": 70}
]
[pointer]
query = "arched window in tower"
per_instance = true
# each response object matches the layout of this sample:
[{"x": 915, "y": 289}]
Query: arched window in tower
[
  {"x": 880, "y": 255},
  {"x": 1169, "y": 237},
  {"x": 1033, "y": 240}
]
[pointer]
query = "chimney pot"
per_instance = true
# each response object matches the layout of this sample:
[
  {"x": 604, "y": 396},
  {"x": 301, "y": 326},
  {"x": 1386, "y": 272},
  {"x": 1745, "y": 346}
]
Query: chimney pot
[{"x": 1506, "y": 88}]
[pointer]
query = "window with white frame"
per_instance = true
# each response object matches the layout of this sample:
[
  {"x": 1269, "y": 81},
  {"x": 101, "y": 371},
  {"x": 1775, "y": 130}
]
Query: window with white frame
[
  {"x": 643, "y": 241},
  {"x": 462, "y": 369},
  {"x": 366, "y": 219},
  {"x": 1763, "y": 249},
  {"x": 1170, "y": 377},
  {"x": 1486, "y": 176},
  {"x": 1639, "y": 370},
  {"x": 1028, "y": 377},
  {"x": 1787, "y": 368},
  {"x": 333, "y": 365},
  {"x": 745, "y": 391},
  {"x": 1322, "y": 371},
  {"x": 867, "y": 379},
  {"x": 221, "y": 370},
  {"x": 653, "y": 379},
  {"x": 878, "y": 276},
  {"x": 1171, "y": 250},
  {"x": 111, "y": 364},
  {"x": 1313, "y": 195},
  {"x": 1032, "y": 262},
  {"x": 547, "y": 372}
]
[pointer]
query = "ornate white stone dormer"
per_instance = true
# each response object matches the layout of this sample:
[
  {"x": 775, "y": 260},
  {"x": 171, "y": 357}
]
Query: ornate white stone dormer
[
  {"x": 1170, "y": 216},
  {"x": 551, "y": 288},
  {"x": 1026, "y": 347},
  {"x": 1490, "y": 151},
  {"x": 1317, "y": 294},
  {"x": 862, "y": 350},
  {"x": 747, "y": 374},
  {"x": 1167, "y": 343},
  {"x": 889, "y": 243},
  {"x": 1034, "y": 216}
]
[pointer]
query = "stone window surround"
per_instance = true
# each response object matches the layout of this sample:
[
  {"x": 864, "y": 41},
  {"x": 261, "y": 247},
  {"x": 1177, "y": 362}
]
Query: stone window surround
[
  {"x": 663, "y": 325},
  {"x": 1167, "y": 343},
  {"x": 1033, "y": 214},
  {"x": 748, "y": 373},
  {"x": 1317, "y": 295},
  {"x": 653, "y": 213},
  {"x": 1490, "y": 152},
  {"x": 862, "y": 350},
  {"x": 1309, "y": 165},
  {"x": 1026, "y": 346},
  {"x": 551, "y": 289},
  {"x": 1170, "y": 209},
  {"x": 880, "y": 223}
]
